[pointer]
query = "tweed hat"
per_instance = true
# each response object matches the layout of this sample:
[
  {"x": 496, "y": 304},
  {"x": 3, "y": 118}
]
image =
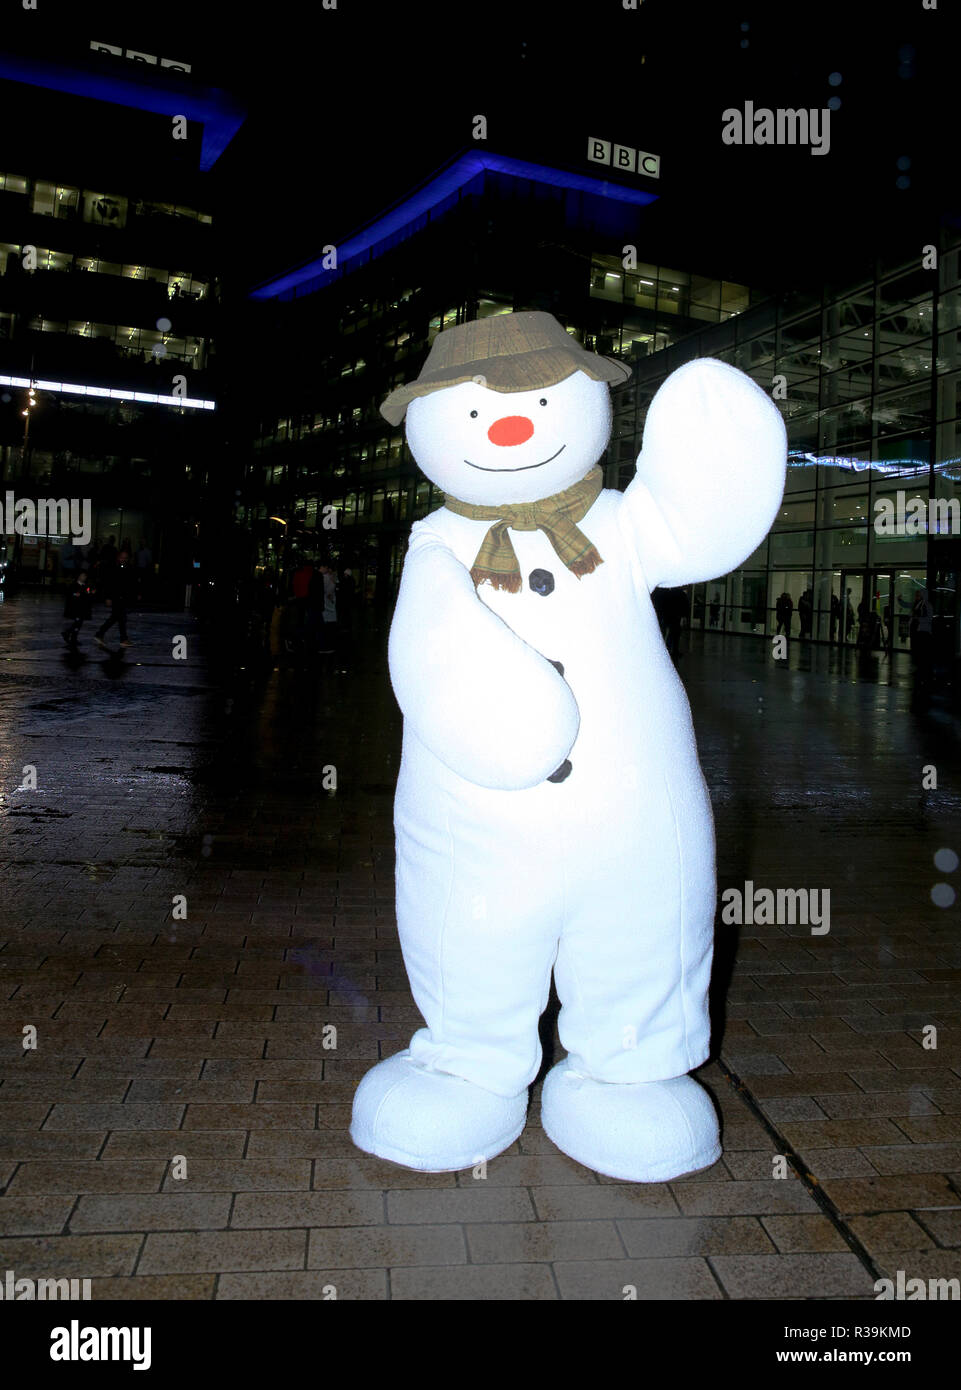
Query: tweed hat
[{"x": 507, "y": 352}]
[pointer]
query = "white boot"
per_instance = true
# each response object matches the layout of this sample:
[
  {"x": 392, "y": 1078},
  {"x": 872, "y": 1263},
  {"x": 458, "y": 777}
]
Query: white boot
[
  {"x": 430, "y": 1120},
  {"x": 647, "y": 1131}
]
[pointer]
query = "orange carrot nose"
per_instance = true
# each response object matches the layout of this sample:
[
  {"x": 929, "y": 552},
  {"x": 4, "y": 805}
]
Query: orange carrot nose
[{"x": 511, "y": 429}]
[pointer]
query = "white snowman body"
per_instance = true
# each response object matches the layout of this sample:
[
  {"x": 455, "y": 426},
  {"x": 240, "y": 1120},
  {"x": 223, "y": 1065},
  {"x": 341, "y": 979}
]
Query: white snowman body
[{"x": 604, "y": 874}]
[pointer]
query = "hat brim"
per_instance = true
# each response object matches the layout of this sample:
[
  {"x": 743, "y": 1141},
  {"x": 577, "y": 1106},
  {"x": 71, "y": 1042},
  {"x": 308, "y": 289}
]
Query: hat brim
[{"x": 525, "y": 371}]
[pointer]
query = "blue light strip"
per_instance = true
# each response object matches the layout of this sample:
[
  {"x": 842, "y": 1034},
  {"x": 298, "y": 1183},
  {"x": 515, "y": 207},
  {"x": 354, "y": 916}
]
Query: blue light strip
[
  {"x": 432, "y": 193},
  {"x": 809, "y": 460},
  {"x": 221, "y": 114}
]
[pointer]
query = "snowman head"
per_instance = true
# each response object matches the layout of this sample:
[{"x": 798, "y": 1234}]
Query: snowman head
[
  {"x": 495, "y": 447},
  {"x": 509, "y": 408}
]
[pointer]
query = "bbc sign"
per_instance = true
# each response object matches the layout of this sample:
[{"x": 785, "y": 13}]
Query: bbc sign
[
  {"x": 624, "y": 157},
  {"x": 139, "y": 57}
]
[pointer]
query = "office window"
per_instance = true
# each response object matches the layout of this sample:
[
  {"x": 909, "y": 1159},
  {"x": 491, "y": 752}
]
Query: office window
[
  {"x": 845, "y": 505},
  {"x": 904, "y": 289},
  {"x": 44, "y": 198},
  {"x": 607, "y": 278},
  {"x": 706, "y": 294},
  {"x": 68, "y": 201},
  {"x": 908, "y": 325},
  {"x": 104, "y": 209},
  {"x": 857, "y": 311},
  {"x": 13, "y": 183},
  {"x": 734, "y": 299},
  {"x": 135, "y": 272},
  {"x": 669, "y": 298},
  {"x": 7, "y": 250},
  {"x": 154, "y": 344}
]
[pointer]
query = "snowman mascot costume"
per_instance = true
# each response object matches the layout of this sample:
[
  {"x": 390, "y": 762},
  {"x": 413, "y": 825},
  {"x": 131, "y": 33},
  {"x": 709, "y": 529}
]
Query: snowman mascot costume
[{"x": 551, "y": 814}]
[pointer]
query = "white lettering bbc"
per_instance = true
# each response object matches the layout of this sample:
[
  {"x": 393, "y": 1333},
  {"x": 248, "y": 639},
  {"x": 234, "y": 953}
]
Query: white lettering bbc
[
  {"x": 624, "y": 157},
  {"x": 137, "y": 57}
]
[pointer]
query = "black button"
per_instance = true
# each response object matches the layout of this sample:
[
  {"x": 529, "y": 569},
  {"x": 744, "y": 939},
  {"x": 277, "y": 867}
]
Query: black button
[
  {"x": 557, "y": 667},
  {"x": 542, "y": 582},
  {"x": 562, "y": 773}
]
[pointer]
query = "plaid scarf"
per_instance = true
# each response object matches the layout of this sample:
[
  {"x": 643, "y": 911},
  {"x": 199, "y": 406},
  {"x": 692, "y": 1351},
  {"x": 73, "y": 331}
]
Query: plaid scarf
[{"x": 496, "y": 562}]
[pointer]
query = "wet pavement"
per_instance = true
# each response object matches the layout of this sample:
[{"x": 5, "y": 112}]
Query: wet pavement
[{"x": 180, "y": 1128}]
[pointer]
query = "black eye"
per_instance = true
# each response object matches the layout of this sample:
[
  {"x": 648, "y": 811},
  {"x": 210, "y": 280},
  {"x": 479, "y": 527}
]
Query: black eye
[
  {"x": 542, "y": 401},
  {"x": 473, "y": 415}
]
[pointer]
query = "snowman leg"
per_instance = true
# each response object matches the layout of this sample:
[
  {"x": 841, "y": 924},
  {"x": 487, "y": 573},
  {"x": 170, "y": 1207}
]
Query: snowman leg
[
  {"x": 478, "y": 929},
  {"x": 632, "y": 973}
]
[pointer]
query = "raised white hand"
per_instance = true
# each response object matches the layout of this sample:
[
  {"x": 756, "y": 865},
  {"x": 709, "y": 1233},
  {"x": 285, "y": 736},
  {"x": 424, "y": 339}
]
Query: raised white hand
[{"x": 710, "y": 475}]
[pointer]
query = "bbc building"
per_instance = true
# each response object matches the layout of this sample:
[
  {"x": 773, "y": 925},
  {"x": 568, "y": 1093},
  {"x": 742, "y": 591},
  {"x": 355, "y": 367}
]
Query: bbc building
[
  {"x": 487, "y": 234},
  {"x": 109, "y": 301},
  {"x": 866, "y": 379}
]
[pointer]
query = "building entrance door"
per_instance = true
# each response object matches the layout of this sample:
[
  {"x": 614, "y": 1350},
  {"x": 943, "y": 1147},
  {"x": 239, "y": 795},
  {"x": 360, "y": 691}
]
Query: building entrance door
[
  {"x": 882, "y": 608},
  {"x": 854, "y": 584},
  {"x": 868, "y": 609}
]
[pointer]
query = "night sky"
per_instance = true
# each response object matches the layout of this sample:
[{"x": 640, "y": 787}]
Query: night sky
[{"x": 350, "y": 107}]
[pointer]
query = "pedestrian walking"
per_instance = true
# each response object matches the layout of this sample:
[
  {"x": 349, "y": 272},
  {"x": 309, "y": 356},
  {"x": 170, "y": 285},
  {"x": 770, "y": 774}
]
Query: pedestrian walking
[
  {"x": 76, "y": 608},
  {"x": 784, "y": 612},
  {"x": 117, "y": 593},
  {"x": 805, "y": 608},
  {"x": 299, "y": 608},
  {"x": 324, "y": 597}
]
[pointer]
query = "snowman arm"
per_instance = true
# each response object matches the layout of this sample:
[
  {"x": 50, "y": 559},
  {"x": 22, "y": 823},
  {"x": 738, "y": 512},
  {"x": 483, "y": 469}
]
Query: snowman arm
[
  {"x": 710, "y": 475},
  {"x": 489, "y": 706}
]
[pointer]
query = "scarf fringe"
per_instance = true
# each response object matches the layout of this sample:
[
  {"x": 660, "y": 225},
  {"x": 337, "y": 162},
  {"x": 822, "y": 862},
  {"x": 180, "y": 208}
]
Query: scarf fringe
[
  {"x": 587, "y": 565},
  {"x": 511, "y": 582}
]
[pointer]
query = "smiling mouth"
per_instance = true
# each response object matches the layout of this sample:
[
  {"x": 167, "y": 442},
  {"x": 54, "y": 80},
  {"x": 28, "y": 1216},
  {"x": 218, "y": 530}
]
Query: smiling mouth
[{"x": 516, "y": 470}]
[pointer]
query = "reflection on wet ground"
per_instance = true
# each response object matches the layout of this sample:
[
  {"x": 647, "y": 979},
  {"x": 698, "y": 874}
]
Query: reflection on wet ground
[{"x": 160, "y": 779}]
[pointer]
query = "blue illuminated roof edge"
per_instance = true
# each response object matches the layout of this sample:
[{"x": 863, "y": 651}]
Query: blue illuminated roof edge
[
  {"x": 221, "y": 114},
  {"x": 433, "y": 192}
]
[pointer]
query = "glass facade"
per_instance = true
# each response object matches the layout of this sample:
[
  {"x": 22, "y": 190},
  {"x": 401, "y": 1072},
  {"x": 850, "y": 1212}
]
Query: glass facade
[{"x": 867, "y": 380}]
